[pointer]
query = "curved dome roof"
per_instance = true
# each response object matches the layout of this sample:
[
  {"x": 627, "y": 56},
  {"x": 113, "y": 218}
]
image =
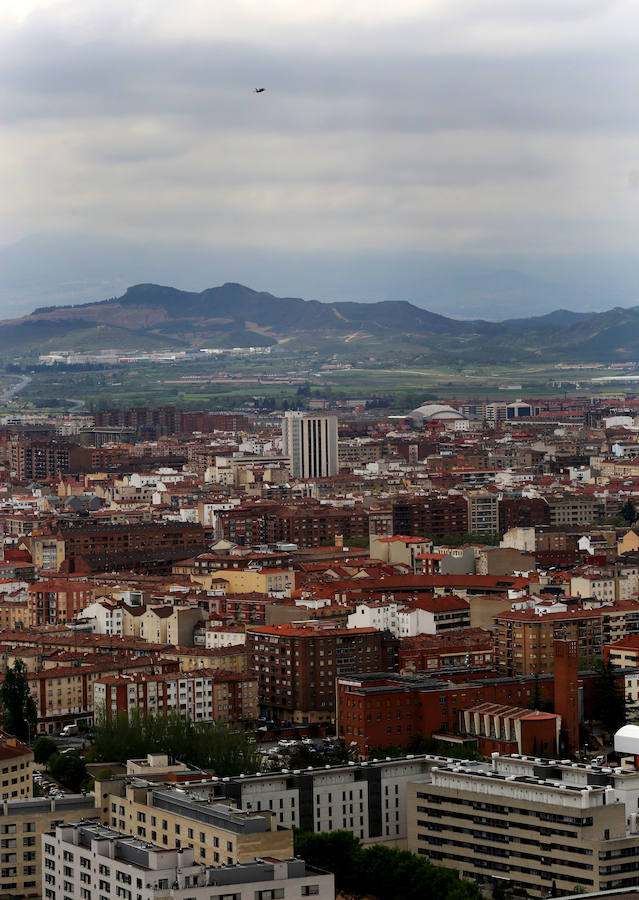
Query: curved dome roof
[
  {"x": 431, "y": 412},
  {"x": 627, "y": 740}
]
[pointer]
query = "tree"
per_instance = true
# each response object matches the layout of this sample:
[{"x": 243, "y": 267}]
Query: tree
[
  {"x": 43, "y": 749},
  {"x": 19, "y": 711},
  {"x": 628, "y": 512},
  {"x": 69, "y": 769},
  {"x": 209, "y": 745},
  {"x": 609, "y": 700},
  {"x": 384, "y": 872},
  {"x": 104, "y": 774}
]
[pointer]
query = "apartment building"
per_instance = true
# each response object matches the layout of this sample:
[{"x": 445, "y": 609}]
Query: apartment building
[
  {"x": 430, "y": 516},
  {"x": 525, "y": 637},
  {"x": 58, "y": 601},
  {"x": 310, "y": 442},
  {"x": 367, "y": 798},
  {"x": 40, "y": 460},
  {"x": 399, "y": 548},
  {"x": 296, "y": 666},
  {"x": 86, "y": 546},
  {"x": 183, "y": 816},
  {"x": 537, "y": 825},
  {"x": 600, "y": 586},
  {"x": 87, "y": 860},
  {"x": 14, "y": 613},
  {"x": 426, "y": 615},
  {"x": 219, "y": 636},
  {"x": 205, "y": 696},
  {"x": 307, "y": 524},
  {"x": 189, "y": 659},
  {"x": 522, "y": 512},
  {"x": 469, "y": 648},
  {"x": 624, "y": 653},
  {"x": 170, "y": 624},
  {"x": 22, "y": 824},
  {"x": 577, "y": 509},
  {"x": 260, "y": 579},
  {"x": 103, "y": 617},
  {"x": 483, "y": 512},
  {"x": 64, "y": 693},
  {"x": 16, "y": 768}
]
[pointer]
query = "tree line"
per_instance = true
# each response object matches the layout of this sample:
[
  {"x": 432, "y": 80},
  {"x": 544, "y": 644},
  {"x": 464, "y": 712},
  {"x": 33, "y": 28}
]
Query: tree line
[
  {"x": 383, "y": 872},
  {"x": 208, "y": 745}
]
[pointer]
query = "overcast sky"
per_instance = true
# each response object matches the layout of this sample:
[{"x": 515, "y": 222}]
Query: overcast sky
[{"x": 463, "y": 126}]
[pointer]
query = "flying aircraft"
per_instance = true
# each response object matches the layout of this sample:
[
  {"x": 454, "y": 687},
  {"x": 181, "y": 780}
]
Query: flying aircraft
[{"x": 259, "y": 90}]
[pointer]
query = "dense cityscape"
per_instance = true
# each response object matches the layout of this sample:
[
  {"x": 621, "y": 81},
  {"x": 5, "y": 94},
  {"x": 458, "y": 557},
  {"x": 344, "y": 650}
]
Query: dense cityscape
[
  {"x": 228, "y": 636},
  {"x": 319, "y": 450}
]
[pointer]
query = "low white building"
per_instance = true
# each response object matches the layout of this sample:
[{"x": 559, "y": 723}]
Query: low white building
[
  {"x": 93, "y": 862},
  {"x": 224, "y": 636},
  {"x": 103, "y": 617},
  {"x": 426, "y": 615}
]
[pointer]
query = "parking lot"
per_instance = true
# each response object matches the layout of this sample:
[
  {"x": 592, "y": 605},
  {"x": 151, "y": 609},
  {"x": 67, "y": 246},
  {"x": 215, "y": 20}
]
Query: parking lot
[{"x": 48, "y": 786}]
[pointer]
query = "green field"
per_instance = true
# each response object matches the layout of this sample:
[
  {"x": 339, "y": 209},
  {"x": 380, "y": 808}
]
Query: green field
[{"x": 299, "y": 376}]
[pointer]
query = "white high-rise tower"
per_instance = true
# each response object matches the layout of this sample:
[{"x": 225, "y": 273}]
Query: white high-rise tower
[{"x": 311, "y": 443}]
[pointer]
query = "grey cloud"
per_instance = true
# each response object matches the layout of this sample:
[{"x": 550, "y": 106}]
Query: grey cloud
[
  {"x": 210, "y": 86},
  {"x": 464, "y": 132}
]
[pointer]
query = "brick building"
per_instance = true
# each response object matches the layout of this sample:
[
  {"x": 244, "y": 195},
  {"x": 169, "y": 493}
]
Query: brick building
[
  {"x": 305, "y": 524},
  {"x": 90, "y": 547},
  {"x": 525, "y": 638},
  {"x": 204, "y": 696},
  {"x": 465, "y": 648},
  {"x": 65, "y": 693},
  {"x": 431, "y": 516},
  {"x": 382, "y": 709},
  {"x": 58, "y": 601},
  {"x": 501, "y": 728},
  {"x": 296, "y": 666},
  {"x": 169, "y": 420},
  {"x": 33, "y": 460},
  {"x": 523, "y": 512}
]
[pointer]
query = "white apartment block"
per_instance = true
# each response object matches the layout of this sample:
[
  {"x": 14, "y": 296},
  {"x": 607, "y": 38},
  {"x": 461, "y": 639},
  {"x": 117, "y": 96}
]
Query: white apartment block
[
  {"x": 224, "y": 636},
  {"x": 310, "y": 442},
  {"x": 88, "y": 861},
  {"x": 104, "y": 617},
  {"x": 402, "y": 621},
  {"x": 367, "y": 798}
]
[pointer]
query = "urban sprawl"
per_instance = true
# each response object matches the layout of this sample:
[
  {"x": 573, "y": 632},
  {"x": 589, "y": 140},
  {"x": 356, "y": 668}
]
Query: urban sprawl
[{"x": 224, "y": 630}]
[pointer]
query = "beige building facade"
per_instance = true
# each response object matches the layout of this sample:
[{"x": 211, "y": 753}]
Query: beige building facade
[
  {"x": 173, "y": 816},
  {"x": 531, "y": 824},
  {"x": 22, "y": 824}
]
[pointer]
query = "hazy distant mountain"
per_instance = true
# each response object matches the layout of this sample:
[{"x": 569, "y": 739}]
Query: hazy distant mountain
[
  {"x": 44, "y": 269},
  {"x": 150, "y": 316}
]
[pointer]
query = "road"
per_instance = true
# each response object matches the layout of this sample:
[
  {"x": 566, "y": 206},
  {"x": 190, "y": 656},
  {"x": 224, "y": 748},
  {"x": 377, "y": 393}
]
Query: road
[
  {"x": 10, "y": 392},
  {"x": 76, "y": 405}
]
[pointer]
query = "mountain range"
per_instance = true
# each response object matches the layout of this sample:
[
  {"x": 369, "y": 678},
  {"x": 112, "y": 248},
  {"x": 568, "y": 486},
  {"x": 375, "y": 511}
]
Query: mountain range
[{"x": 150, "y": 316}]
